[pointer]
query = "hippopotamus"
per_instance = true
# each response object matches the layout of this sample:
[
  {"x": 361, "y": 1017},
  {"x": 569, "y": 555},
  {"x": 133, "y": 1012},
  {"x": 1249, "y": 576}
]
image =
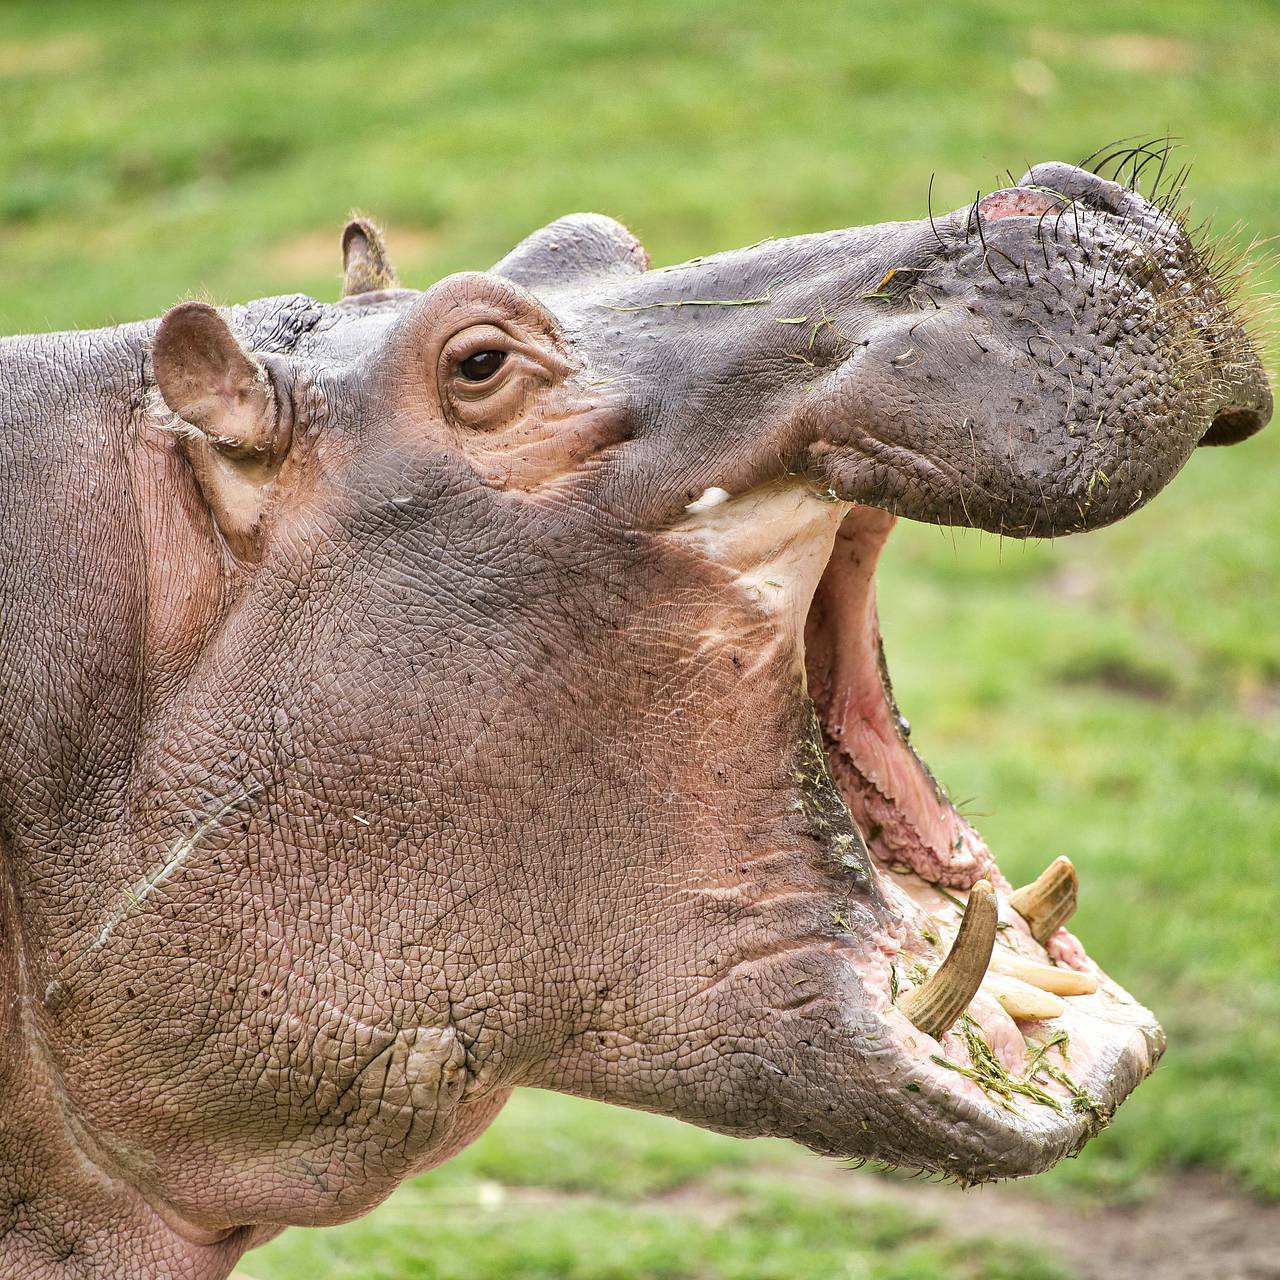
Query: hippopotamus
[{"x": 431, "y": 693}]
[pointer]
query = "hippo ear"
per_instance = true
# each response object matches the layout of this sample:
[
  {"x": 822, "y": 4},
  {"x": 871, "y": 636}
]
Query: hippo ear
[
  {"x": 237, "y": 437},
  {"x": 365, "y": 265},
  {"x": 583, "y": 244}
]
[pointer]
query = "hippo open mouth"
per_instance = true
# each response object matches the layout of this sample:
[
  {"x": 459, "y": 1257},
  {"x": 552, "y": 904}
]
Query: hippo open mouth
[
  {"x": 974, "y": 1008},
  {"x": 1102, "y": 353},
  {"x": 1017, "y": 1019}
]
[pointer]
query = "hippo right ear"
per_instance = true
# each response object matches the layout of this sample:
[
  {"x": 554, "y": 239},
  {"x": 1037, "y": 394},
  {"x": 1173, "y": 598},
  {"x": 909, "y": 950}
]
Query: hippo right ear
[
  {"x": 583, "y": 244},
  {"x": 238, "y": 436}
]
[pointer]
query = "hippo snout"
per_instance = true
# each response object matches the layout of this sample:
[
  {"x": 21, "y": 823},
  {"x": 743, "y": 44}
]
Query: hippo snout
[{"x": 1238, "y": 379}]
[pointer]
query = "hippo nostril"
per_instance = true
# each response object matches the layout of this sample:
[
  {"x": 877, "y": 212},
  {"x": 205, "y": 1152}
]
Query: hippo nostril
[
  {"x": 1248, "y": 404},
  {"x": 1231, "y": 426}
]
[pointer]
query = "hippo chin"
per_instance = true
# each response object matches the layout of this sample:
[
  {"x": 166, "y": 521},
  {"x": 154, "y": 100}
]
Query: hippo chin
[{"x": 427, "y": 694}]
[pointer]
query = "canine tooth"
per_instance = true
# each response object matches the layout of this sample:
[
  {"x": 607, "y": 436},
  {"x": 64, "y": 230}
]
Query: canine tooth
[
  {"x": 1049, "y": 901},
  {"x": 1020, "y": 999},
  {"x": 1062, "y": 982},
  {"x": 935, "y": 1004}
]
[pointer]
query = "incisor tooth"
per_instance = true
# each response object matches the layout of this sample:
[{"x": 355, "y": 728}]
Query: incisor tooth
[
  {"x": 1062, "y": 982},
  {"x": 1020, "y": 999},
  {"x": 1049, "y": 901},
  {"x": 936, "y": 1003}
]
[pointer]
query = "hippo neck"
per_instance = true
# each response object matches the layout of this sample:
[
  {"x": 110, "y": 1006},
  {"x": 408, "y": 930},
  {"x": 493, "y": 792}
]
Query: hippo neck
[
  {"x": 62, "y": 1215},
  {"x": 109, "y": 563}
]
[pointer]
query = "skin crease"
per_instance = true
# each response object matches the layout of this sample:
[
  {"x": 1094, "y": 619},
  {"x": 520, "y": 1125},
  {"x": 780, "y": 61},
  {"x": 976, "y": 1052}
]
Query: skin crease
[{"x": 377, "y": 743}]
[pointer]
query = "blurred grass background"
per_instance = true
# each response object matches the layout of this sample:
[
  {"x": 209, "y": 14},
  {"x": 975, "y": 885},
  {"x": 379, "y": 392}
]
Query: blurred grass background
[{"x": 1115, "y": 697}]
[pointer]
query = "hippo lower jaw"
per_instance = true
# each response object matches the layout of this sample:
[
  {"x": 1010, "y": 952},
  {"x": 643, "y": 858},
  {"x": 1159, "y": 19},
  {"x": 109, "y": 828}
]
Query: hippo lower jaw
[{"x": 1048, "y": 1046}]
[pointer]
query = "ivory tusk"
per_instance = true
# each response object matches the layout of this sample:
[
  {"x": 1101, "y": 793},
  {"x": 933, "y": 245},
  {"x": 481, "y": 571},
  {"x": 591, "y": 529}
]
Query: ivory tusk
[
  {"x": 936, "y": 1003},
  {"x": 1049, "y": 901}
]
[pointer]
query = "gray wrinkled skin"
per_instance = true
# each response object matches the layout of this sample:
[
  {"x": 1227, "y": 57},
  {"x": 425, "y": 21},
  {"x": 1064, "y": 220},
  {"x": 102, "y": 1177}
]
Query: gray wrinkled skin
[{"x": 325, "y": 825}]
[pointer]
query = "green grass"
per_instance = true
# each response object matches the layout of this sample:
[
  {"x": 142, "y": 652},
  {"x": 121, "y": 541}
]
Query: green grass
[
  {"x": 564, "y": 1190},
  {"x": 1115, "y": 697}
]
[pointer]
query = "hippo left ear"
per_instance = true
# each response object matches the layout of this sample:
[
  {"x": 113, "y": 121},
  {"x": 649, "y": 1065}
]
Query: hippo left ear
[
  {"x": 583, "y": 244},
  {"x": 239, "y": 436}
]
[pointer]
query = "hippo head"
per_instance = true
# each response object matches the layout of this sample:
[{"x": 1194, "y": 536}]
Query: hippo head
[{"x": 544, "y": 736}]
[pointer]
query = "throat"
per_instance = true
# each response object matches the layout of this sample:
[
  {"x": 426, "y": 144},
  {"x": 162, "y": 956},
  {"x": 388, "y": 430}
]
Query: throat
[
  {"x": 906, "y": 818},
  {"x": 63, "y": 1216}
]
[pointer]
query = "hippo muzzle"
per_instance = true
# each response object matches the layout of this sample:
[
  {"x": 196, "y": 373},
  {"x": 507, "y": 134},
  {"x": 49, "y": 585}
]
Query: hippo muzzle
[{"x": 1084, "y": 347}]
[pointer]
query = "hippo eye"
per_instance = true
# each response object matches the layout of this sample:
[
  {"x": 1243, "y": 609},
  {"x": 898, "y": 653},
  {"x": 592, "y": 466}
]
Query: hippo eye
[{"x": 482, "y": 365}]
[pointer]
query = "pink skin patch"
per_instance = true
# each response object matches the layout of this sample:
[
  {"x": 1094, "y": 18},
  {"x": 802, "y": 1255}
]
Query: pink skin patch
[
  {"x": 1016, "y": 202},
  {"x": 905, "y": 817}
]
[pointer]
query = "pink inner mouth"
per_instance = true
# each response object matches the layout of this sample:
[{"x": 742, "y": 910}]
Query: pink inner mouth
[
  {"x": 922, "y": 849},
  {"x": 910, "y": 825},
  {"x": 807, "y": 565},
  {"x": 906, "y": 819}
]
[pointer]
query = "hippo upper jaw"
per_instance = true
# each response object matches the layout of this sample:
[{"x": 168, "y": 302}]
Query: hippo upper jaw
[{"x": 1046, "y": 366}]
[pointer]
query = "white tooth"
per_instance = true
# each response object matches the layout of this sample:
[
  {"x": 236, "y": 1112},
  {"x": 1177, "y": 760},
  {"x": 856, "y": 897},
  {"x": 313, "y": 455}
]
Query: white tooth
[
  {"x": 1020, "y": 999},
  {"x": 713, "y": 497},
  {"x": 1062, "y": 982}
]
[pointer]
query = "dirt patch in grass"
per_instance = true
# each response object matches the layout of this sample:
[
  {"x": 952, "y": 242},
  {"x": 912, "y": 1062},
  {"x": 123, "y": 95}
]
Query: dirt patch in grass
[
  {"x": 1197, "y": 1227},
  {"x": 1260, "y": 700},
  {"x": 55, "y": 56},
  {"x": 1120, "y": 51},
  {"x": 1116, "y": 673},
  {"x": 1075, "y": 582}
]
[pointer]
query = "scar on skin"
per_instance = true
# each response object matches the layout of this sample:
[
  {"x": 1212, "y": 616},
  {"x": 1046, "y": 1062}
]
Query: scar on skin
[{"x": 137, "y": 894}]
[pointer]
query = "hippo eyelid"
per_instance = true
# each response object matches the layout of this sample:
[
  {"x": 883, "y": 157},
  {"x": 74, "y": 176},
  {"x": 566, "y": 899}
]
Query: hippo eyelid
[{"x": 472, "y": 344}]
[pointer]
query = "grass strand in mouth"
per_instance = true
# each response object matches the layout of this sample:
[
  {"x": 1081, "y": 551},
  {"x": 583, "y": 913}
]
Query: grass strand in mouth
[
  {"x": 1081, "y": 1102},
  {"x": 1059, "y": 1040},
  {"x": 987, "y": 1072}
]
